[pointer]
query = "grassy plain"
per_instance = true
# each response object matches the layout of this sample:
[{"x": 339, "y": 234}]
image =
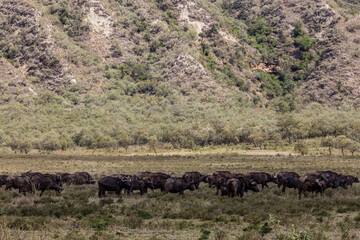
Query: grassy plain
[{"x": 79, "y": 214}]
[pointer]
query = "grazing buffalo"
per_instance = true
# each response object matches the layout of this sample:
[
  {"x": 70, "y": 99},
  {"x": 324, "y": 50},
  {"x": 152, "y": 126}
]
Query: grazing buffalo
[
  {"x": 65, "y": 177},
  {"x": 30, "y": 174},
  {"x": 332, "y": 179},
  {"x": 55, "y": 178},
  {"x": 233, "y": 187},
  {"x": 177, "y": 185},
  {"x": 311, "y": 182},
  {"x": 249, "y": 183},
  {"x": 111, "y": 183},
  {"x": 126, "y": 178},
  {"x": 86, "y": 176},
  {"x": 48, "y": 182},
  {"x": 3, "y": 180},
  {"x": 287, "y": 180},
  {"x": 262, "y": 178},
  {"x": 19, "y": 182},
  {"x": 158, "y": 179},
  {"x": 218, "y": 179},
  {"x": 195, "y": 177},
  {"x": 350, "y": 180},
  {"x": 141, "y": 185}
]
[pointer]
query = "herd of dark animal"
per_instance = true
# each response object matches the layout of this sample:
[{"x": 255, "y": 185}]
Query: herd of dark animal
[{"x": 229, "y": 184}]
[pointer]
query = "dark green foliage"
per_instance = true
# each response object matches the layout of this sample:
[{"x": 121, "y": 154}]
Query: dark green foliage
[
  {"x": 71, "y": 19},
  {"x": 259, "y": 27},
  {"x": 270, "y": 84},
  {"x": 298, "y": 29},
  {"x": 100, "y": 221},
  {"x": 205, "y": 234},
  {"x": 304, "y": 43},
  {"x": 265, "y": 229},
  {"x": 144, "y": 214}
]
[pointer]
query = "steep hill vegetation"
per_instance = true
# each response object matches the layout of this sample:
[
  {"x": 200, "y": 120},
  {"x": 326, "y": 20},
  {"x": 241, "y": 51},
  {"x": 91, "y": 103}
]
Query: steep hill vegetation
[{"x": 185, "y": 73}]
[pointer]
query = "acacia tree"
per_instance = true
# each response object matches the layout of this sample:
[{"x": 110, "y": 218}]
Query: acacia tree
[
  {"x": 342, "y": 142},
  {"x": 276, "y": 138},
  {"x": 124, "y": 140},
  {"x": 301, "y": 147},
  {"x": 353, "y": 147},
  {"x": 289, "y": 126},
  {"x": 153, "y": 141},
  {"x": 328, "y": 142},
  {"x": 258, "y": 138}
]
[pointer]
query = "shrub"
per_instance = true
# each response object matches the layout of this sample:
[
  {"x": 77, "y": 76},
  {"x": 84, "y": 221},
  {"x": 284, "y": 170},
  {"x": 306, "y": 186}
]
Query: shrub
[
  {"x": 301, "y": 147},
  {"x": 205, "y": 234},
  {"x": 100, "y": 221},
  {"x": 25, "y": 224},
  {"x": 342, "y": 142},
  {"x": 304, "y": 43},
  {"x": 133, "y": 222},
  {"x": 298, "y": 29}
]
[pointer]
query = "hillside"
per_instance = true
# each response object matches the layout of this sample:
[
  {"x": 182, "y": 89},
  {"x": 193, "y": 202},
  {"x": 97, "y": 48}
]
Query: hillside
[{"x": 184, "y": 72}]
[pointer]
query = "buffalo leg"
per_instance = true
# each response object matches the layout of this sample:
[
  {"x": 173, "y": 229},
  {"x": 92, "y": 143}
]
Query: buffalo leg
[{"x": 283, "y": 189}]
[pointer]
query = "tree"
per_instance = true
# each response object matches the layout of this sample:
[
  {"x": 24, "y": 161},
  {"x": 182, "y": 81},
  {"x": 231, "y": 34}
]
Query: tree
[
  {"x": 289, "y": 126},
  {"x": 298, "y": 28},
  {"x": 276, "y": 138},
  {"x": 328, "y": 142},
  {"x": 50, "y": 141},
  {"x": 342, "y": 142},
  {"x": 124, "y": 140},
  {"x": 258, "y": 138},
  {"x": 353, "y": 147},
  {"x": 304, "y": 43},
  {"x": 301, "y": 147},
  {"x": 153, "y": 141},
  {"x": 17, "y": 144}
]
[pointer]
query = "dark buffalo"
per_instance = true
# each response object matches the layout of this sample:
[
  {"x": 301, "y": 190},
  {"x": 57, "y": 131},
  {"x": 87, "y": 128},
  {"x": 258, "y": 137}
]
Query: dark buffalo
[
  {"x": 55, "y": 178},
  {"x": 65, "y": 177},
  {"x": 233, "y": 187},
  {"x": 262, "y": 178},
  {"x": 287, "y": 180},
  {"x": 126, "y": 178},
  {"x": 77, "y": 179},
  {"x": 332, "y": 179},
  {"x": 30, "y": 174},
  {"x": 350, "y": 180},
  {"x": 19, "y": 182},
  {"x": 249, "y": 183},
  {"x": 3, "y": 180},
  {"x": 87, "y": 176},
  {"x": 311, "y": 182},
  {"x": 141, "y": 185},
  {"x": 45, "y": 182},
  {"x": 218, "y": 179},
  {"x": 111, "y": 183},
  {"x": 158, "y": 179},
  {"x": 195, "y": 177},
  {"x": 177, "y": 185}
]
